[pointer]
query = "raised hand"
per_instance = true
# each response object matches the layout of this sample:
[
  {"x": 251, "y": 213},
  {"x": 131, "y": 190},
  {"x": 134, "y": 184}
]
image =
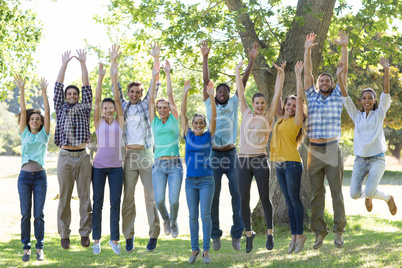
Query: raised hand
[
  {"x": 310, "y": 41},
  {"x": 204, "y": 48},
  {"x": 166, "y": 67},
  {"x": 18, "y": 81},
  {"x": 113, "y": 68},
  {"x": 43, "y": 84},
  {"x": 65, "y": 57},
  {"x": 299, "y": 67},
  {"x": 82, "y": 55},
  {"x": 340, "y": 68},
  {"x": 114, "y": 52},
  {"x": 343, "y": 38},
  {"x": 155, "y": 69},
  {"x": 384, "y": 62},
  {"x": 280, "y": 68},
  {"x": 102, "y": 71},
  {"x": 211, "y": 90},
  {"x": 155, "y": 49},
  {"x": 254, "y": 51},
  {"x": 239, "y": 65},
  {"x": 187, "y": 86}
]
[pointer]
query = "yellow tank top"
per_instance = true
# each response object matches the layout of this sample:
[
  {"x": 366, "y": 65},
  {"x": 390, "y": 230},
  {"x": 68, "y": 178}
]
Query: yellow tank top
[{"x": 283, "y": 141}]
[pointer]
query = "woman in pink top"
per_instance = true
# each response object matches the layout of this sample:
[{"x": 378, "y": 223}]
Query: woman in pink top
[
  {"x": 108, "y": 160},
  {"x": 255, "y": 128}
]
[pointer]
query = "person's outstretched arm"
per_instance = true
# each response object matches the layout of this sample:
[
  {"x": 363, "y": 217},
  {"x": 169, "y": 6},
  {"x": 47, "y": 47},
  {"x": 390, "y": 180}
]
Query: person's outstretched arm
[
  {"x": 43, "y": 86},
  {"x": 280, "y": 79},
  {"x": 205, "y": 70},
  {"x": 212, "y": 123},
  {"x": 155, "y": 52},
  {"x": 240, "y": 88},
  {"x": 23, "y": 115},
  {"x": 58, "y": 97},
  {"x": 340, "y": 69},
  {"x": 151, "y": 93},
  {"x": 299, "y": 98},
  {"x": 114, "y": 55},
  {"x": 308, "y": 67},
  {"x": 385, "y": 63},
  {"x": 65, "y": 58},
  {"x": 86, "y": 92},
  {"x": 98, "y": 96},
  {"x": 184, "y": 119},
  {"x": 343, "y": 42},
  {"x": 253, "y": 54},
  {"x": 169, "y": 90},
  {"x": 116, "y": 94}
]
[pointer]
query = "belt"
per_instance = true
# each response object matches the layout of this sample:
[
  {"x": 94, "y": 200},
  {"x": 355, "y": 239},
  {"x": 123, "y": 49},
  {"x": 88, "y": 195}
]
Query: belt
[
  {"x": 325, "y": 144},
  {"x": 80, "y": 153}
]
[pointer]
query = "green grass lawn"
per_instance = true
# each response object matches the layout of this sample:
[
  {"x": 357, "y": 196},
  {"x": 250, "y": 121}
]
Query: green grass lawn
[{"x": 369, "y": 242}]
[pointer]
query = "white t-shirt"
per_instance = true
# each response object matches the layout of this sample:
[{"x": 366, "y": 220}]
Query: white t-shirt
[{"x": 135, "y": 129}]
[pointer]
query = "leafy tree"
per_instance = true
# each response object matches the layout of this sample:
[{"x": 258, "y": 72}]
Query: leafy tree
[
  {"x": 20, "y": 33},
  {"x": 9, "y": 138},
  {"x": 394, "y": 138}
]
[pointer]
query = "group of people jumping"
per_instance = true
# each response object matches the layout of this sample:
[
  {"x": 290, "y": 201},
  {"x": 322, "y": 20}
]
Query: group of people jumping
[{"x": 149, "y": 142}]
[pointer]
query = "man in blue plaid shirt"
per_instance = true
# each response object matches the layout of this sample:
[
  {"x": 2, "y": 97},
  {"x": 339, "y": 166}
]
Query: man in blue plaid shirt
[
  {"x": 139, "y": 158},
  {"x": 325, "y": 156},
  {"x": 74, "y": 163}
]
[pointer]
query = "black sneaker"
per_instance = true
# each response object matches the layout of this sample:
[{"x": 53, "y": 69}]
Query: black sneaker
[
  {"x": 152, "y": 244},
  {"x": 26, "y": 256},
  {"x": 249, "y": 246},
  {"x": 270, "y": 242},
  {"x": 130, "y": 245}
]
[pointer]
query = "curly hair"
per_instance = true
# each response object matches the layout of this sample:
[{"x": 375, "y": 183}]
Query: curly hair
[{"x": 30, "y": 112}]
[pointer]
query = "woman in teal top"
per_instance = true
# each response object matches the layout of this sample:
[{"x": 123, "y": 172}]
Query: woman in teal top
[
  {"x": 34, "y": 132},
  {"x": 167, "y": 168}
]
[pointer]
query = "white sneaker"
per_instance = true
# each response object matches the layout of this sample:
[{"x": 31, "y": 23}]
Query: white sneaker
[
  {"x": 115, "y": 248},
  {"x": 175, "y": 229},
  {"x": 97, "y": 248},
  {"x": 166, "y": 227}
]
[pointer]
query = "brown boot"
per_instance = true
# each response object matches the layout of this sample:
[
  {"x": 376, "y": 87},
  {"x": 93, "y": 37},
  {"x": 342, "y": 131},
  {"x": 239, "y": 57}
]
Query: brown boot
[
  {"x": 369, "y": 204},
  {"x": 85, "y": 241},
  {"x": 392, "y": 206},
  {"x": 65, "y": 243}
]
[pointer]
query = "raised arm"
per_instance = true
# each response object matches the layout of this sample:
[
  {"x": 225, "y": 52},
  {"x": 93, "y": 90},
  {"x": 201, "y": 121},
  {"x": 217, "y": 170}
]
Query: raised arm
[
  {"x": 385, "y": 63},
  {"x": 82, "y": 57},
  {"x": 155, "y": 52},
  {"x": 114, "y": 55},
  {"x": 280, "y": 79},
  {"x": 308, "y": 67},
  {"x": 343, "y": 42},
  {"x": 299, "y": 97},
  {"x": 65, "y": 58},
  {"x": 98, "y": 96},
  {"x": 212, "y": 123},
  {"x": 205, "y": 70},
  {"x": 116, "y": 94},
  {"x": 184, "y": 119},
  {"x": 151, "y": 93},
  {"x": 340, "y": 69},
  {"x": 253, "y": 54},
  {"x": 23, "y": 115},
  {"x": 169, "y": 90},
  {"x": 43, "y": 86},
  {"x": 240, "y": 88}
]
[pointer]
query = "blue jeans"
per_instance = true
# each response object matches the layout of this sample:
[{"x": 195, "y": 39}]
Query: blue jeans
[
  {"x": 36, "y": 183},
  {"x": 115, "y": 178},
  {"x": 226, "y": 163},
  {"x": 167, "y": 172},
  {"x": 289, "y": 174},
  {"x": 199, "y": 191},
  {"x": 371, "y": 168}
]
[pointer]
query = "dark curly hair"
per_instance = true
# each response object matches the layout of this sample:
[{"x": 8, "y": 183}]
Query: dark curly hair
[{"x": 30, "y": 112}]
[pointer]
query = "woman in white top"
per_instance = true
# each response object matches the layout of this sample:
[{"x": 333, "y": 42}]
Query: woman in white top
[{"x": 369, "y": 140}]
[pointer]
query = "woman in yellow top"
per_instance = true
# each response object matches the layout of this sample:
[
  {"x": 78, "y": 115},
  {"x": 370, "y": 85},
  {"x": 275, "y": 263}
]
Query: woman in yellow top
[{"x": 286, "y": 136}]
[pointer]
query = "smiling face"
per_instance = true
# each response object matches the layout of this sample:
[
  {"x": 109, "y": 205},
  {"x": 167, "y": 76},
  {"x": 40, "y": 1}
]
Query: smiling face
[
  {"x": 368, "y": 100},
  {"x": 35, "y": 122},
  {"x": 198, "y": 125},
  {"x": 108, "y": 109},
  {"x": 222, "y": 94},
  {"x": 259, "y": 104},
  {"x": 72, "y": 96},
  {"x": 290, "y": 108},
  {"x": 325, "y": 84},
  {"x": 134, "y": 94},
  {"x": 163, "y": 109}
]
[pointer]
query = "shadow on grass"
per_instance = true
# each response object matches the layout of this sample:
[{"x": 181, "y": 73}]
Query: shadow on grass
[{"x": 369, "y": 242}]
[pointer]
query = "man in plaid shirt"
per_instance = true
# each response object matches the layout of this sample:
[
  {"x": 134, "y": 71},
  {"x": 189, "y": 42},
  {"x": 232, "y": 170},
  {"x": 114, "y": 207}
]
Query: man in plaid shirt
[
  {"x": 74, "y": 164},
  {"x": 325, "y": 156},
  {"x": 139, "y": 158}
]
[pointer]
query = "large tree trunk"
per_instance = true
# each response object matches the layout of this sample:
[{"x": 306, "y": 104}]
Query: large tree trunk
[{"x": 316, "y": 16}]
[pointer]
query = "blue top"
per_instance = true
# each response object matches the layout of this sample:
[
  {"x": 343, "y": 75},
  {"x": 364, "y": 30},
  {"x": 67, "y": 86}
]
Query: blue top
[
  {"x": 226, "y": 121},
  {"x": 198, "y": 149},
  {"x": 324, "y": 114},
  {"x": 34, "y": 146},
  {"x": 166, "y": 136}
]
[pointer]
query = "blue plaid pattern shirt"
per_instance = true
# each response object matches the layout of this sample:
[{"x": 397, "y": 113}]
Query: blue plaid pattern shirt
[
  {"x": 324, "y": 114},
  {"x": 72, "y": 127},
  {"x": 143, "y": 110}
]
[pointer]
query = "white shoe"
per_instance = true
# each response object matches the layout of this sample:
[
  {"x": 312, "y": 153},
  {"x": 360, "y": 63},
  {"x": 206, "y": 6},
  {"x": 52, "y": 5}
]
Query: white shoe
[
  {"x": 97, "y": 248},
  {"x": 115, "y": 248}
]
